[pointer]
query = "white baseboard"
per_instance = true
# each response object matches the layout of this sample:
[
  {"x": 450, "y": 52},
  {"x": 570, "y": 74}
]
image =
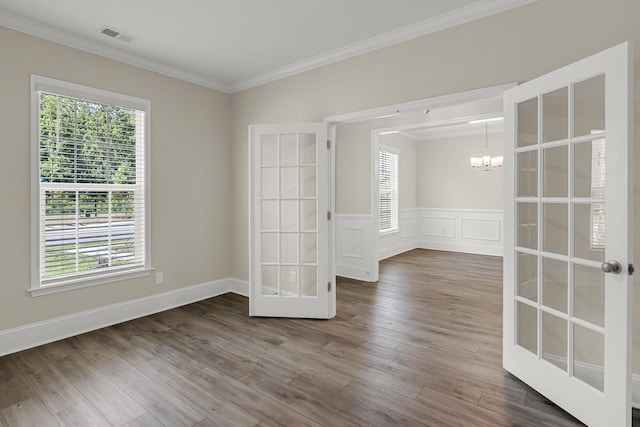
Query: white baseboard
[
  {"x": 396, "y": 250},
  {"x": 35, "y": 334},
  {"x": 457, "y": 247},
  {"x": 238, "y": 286},
  {"x": 353, "y": 272}
]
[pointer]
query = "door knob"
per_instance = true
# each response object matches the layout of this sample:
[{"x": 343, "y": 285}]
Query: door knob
[{"x": 611, "y": 267}]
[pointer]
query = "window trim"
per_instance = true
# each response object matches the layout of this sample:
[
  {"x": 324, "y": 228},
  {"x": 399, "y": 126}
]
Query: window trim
[
  {"x": 395, "y": 152},
  {"x": 59, "y": 87}
]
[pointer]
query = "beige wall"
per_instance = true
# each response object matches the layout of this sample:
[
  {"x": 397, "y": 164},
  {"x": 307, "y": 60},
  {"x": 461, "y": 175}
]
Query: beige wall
[
  {"x": 447, "y": 181},
  {"x": 190, "y": 154},
  {"x": 353, "y": 164},
  {"x": 353, "y": 149}
]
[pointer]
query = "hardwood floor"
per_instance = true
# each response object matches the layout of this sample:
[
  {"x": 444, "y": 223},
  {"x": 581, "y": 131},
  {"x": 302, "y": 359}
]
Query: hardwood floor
[{"x": 420, "y": 347}]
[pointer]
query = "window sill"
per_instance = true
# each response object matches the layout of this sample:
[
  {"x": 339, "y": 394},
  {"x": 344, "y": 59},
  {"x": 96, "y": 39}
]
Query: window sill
[
  {"x": 388, "y": 232},
  {"x": 88, "y": 282}
]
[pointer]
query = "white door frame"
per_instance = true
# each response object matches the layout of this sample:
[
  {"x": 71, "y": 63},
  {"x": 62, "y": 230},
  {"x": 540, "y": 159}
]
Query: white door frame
[{"x": 373, "y": 113}]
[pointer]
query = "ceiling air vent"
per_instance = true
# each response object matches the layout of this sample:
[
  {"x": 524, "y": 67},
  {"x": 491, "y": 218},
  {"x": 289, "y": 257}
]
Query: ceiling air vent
[{"x": 116, "y": 34}]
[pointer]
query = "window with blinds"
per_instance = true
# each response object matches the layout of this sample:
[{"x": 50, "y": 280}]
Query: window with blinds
[
  {"x": 388, "y": 187},
  {"x": 89, "y": 178}
]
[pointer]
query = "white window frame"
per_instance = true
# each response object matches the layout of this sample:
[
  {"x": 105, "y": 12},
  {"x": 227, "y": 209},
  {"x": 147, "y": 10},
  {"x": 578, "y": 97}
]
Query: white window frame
[
  {"x": 395, "y": 202},
  {"x": 58, "y": 87}
]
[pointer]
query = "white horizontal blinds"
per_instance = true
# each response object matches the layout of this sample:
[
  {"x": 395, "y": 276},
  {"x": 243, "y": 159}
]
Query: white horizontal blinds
[
  {"x": 388, "y": 185},
  {"x": 91, "y": 162}
]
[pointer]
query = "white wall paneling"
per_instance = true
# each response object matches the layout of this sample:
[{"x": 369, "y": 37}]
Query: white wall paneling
[
  {"x": 405, "y": 239},
  {"x": 461, "y": 230},
  {"x": 354, "y": 247},
  {"x": 456, "y": 230}
]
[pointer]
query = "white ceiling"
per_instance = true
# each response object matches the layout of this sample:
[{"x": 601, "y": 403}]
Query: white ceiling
[
  {"x": 232, "y": 45},
  {"x": 431, "y": 133}
]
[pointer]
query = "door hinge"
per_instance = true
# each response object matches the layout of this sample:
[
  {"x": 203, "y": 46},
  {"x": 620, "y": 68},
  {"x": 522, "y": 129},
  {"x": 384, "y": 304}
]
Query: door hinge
[
  {"x": 631, "y": 269},
  {"x": 328, "y": 215},
  {"x": 329, "y": 286},
  {"x": 328, "y": 144}
]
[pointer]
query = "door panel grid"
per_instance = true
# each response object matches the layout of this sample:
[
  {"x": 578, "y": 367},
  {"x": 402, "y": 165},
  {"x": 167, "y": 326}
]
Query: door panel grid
[
  {"x": 289, "y": 219},
  {"x": 557, "y": 289}
]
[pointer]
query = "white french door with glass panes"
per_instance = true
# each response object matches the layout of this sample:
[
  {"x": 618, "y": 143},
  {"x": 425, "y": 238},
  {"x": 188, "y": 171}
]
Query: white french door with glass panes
[
  {"x": 289, "y": 221},
  {"x": 567, "y": 282}
]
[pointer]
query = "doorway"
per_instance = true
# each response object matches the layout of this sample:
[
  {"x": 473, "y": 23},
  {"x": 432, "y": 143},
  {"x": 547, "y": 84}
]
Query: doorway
[{"x": 432, "y": 146}]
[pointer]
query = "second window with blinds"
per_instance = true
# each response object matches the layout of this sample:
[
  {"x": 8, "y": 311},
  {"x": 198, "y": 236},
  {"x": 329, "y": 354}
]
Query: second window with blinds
[{"x": 388, "y": 189}]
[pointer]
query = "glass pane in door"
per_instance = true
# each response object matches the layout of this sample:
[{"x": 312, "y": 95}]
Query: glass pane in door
[
  {"x": 589, "y": 106},
  {"x": 555, "y": 227},
  {"x": 528, "y": 122},
  {"x": 268, "y": 150},
  {"x": 527, "y": 236},
  {"x": 527, "y": 174},
  {"x": 527, "y": 327},
  {"x": 269, "y": 280},
  {"x": 589, "y": 231},
  {"x": 588, "y": 359},
  {"x": 555, "y": 113},
  {"x": 554, "y": 340},
  {"x": 589, "y": 168},
  {"x": 588, "y": 300},
  {"x": 556, "y": 171},
  {"x": 527, "y": 268},
  {"x": 554, "y": 284}
]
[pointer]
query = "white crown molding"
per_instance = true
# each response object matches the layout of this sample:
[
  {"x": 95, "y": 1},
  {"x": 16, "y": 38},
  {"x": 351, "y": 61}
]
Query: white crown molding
[
  {"x": 46, "y": 32},
  {"x": 419, "y": 29},
  {"x": 451, "y": 19}
]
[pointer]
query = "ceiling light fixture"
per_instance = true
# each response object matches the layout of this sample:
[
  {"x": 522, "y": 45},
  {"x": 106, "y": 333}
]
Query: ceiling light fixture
[{"x": 486, "y": 162}]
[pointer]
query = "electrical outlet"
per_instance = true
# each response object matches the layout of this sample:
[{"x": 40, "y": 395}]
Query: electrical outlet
[
  {"x": 292, "y": 277},
  {"x": 159, "y": 278}
]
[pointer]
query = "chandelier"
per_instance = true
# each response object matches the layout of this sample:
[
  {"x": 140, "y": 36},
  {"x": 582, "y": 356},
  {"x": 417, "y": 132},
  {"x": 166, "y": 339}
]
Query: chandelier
[{"x": 486, "y": 162}]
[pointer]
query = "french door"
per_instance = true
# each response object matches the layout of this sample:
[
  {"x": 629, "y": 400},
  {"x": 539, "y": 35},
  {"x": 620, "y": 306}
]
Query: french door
[
  {"x": 290, "y": 221},
  {"x": 567, "y": 274}
]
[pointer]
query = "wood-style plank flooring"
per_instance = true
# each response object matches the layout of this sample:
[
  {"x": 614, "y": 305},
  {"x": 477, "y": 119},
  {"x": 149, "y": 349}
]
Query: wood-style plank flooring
[{"x": 420, "y": 347}]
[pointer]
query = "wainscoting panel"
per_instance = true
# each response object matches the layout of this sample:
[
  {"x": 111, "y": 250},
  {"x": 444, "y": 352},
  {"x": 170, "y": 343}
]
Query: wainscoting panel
[
  {"x": 481, "y": 229},
  {"x": 354, "y": 247},
  {"x": 438, "y": 227},
  {"x": 461, "y": 230}
]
